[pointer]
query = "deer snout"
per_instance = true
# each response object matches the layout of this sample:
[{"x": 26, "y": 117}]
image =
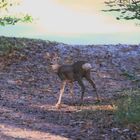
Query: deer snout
[
  {"x": 55, "y": 67},
  {"x": 51, "y": 63}
]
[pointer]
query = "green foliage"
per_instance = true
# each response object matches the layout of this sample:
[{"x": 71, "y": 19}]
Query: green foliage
[
  {"x": 128, "y": 108},
  {"x": 8, "y": 20},
  {"x": 125, "y": 9},
  {"x": 3, "y": 3},
  {"x": 128, "y": 75},
  {"x": 27, "y": 18},
  {"x": 7, "y": 45},
  {"x": 133, "y": 77},
  {"x": 11, "y": 20}
]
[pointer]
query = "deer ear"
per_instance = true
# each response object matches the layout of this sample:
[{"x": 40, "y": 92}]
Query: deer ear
[
  {"x": 50, "y": 55},
  {"x": 47, "y": 55}
]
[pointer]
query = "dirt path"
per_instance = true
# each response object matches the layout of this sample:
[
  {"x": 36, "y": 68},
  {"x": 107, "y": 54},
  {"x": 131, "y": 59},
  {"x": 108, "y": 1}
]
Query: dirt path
[{"x": 29, "y": 91}]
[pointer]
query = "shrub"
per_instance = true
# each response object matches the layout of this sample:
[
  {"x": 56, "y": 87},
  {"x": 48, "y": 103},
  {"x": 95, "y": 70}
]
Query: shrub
[{"x": 128, "y": 108}]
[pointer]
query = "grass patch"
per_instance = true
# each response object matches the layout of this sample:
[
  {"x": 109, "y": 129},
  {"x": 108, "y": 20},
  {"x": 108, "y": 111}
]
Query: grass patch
[
  {"x": 133, "y": 77},
  {"x": 7, "y": 45},
  {"x": 128, "y": 107}
]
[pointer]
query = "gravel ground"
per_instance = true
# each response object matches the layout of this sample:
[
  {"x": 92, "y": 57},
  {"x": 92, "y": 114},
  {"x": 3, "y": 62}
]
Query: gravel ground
[{"x": 29, "y": 91}]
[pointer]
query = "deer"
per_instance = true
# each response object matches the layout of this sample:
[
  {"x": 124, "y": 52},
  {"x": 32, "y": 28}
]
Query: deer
[{"x": 71, "y": 73}]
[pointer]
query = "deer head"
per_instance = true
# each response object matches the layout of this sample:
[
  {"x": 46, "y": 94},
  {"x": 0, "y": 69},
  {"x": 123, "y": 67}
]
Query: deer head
[{"x": 54, "y": 61}]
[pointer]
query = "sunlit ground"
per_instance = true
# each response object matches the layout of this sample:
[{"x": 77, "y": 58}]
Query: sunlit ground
[
  {"x": 72, "y": 21},
  {"x": 14, "y": 132}
]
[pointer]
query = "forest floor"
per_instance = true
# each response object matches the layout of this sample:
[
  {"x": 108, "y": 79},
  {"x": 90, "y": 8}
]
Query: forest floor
[{"x": 29, "y": 90}]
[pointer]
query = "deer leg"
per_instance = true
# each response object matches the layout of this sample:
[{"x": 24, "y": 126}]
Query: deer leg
[
  {"x": 71, "y": 90},
  {"x": 88, "y": 77},
  {"x": 80, "y": 82},
  {"x": 58, "y": 105}
]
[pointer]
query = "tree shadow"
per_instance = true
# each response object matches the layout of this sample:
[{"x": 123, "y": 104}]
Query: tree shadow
[{"x": 31, "y": 118}]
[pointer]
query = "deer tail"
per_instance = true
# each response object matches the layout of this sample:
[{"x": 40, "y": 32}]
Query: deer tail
[{"x": 87, "y": 66}]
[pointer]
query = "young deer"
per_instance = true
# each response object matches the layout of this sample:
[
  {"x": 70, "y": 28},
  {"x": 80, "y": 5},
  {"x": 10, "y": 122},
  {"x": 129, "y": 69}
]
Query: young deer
[{"x": 70, "y": 73}]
